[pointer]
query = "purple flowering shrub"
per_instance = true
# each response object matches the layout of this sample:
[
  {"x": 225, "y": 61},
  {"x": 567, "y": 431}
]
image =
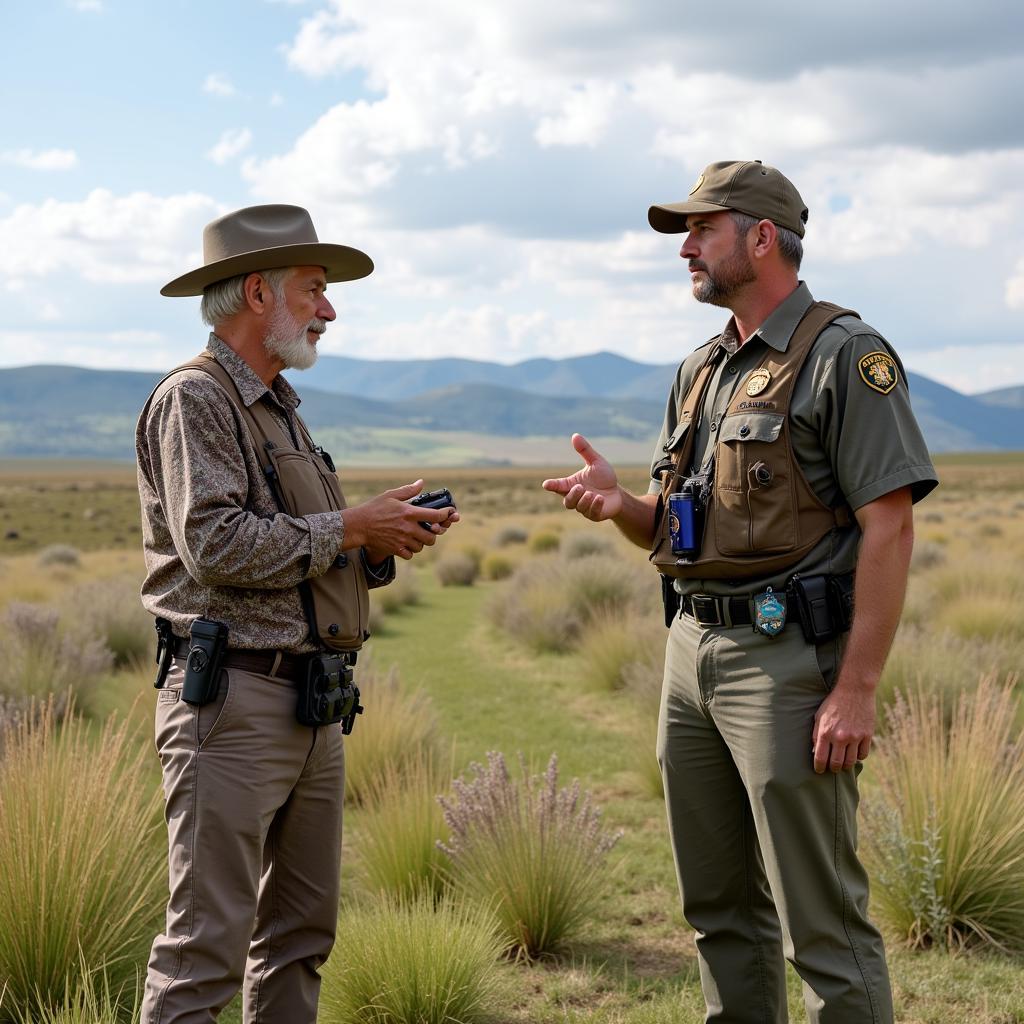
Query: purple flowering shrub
[{"x": 531, "y": 850}]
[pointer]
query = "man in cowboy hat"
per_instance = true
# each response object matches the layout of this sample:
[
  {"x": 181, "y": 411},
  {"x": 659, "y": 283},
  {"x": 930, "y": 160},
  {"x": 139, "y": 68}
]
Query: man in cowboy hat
[
  {"x": 257, "y": 573},
  {"x": 789, "y": 456}
]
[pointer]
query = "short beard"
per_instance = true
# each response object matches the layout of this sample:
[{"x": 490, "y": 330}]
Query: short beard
[
  {"x": 730, "y": 276},
  {"x": 287, "y": 341}
]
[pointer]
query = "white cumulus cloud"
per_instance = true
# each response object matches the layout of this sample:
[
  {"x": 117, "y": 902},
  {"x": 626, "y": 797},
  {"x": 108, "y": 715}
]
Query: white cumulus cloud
[
  {"x": 217, "y": 83},
  {"x": 106, "y": 238},
  {"x": 231, "y": 144},
  {"x": 41, "y": 159}
]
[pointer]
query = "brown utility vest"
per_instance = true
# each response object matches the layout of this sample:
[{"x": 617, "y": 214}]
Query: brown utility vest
[
  {"x": 336, "y": 604},
  {"x": 762, "y": 514}
]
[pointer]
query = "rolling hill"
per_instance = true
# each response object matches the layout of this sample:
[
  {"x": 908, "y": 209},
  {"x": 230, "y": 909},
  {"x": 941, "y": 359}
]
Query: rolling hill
[{"x": 398, "y": 409}]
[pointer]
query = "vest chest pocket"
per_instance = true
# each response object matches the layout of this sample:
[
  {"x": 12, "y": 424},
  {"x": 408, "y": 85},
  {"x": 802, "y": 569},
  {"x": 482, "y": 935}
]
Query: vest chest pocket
[
  {"x": 754, "y": 500},
  {"x": 340, "y": 600}
]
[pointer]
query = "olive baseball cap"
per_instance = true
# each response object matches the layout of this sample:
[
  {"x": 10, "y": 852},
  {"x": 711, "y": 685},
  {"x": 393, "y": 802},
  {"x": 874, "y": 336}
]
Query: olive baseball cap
[{"x": 748, "y": 186}]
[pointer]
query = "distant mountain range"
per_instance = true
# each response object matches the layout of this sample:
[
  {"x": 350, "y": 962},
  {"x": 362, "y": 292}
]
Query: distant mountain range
[{"x": 472, "y": 411}]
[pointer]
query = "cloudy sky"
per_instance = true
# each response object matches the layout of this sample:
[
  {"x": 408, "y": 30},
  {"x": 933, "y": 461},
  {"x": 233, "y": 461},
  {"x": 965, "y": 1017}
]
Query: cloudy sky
[{"x": 497, "y": 159}]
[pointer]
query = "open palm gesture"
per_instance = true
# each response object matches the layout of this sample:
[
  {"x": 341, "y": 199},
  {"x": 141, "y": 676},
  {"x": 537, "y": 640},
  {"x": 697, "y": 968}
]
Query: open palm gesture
[{"x": 594, "y": 490}]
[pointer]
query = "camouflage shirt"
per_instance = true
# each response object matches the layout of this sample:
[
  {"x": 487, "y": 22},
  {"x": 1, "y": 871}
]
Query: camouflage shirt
[{"x": 216, "y": 544}]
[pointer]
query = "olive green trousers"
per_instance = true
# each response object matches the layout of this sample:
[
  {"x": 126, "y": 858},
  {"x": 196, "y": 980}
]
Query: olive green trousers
[{"x": 765, "y": 849}]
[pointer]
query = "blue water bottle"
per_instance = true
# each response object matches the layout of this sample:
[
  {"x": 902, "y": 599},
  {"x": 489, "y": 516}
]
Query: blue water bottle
[{"x": 682, "y": 522}]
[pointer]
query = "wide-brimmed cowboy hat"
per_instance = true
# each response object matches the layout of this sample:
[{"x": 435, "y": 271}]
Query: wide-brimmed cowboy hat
[{"x": 262, "y": 238}]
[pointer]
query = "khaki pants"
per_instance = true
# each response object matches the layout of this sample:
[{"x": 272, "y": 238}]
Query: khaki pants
[
  {"x": 765, "y": 849},
  {"x": 253, "y": 808}
]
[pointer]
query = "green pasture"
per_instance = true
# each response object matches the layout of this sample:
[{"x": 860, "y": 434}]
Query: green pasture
[{"x": 634, "y": 962}]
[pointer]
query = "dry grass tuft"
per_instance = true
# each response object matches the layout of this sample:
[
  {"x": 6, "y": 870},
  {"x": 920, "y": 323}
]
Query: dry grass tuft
[{"x": 945, "y": 830}]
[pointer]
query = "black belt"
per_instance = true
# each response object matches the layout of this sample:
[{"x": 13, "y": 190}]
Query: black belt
[
  {"x": 716, "y": 611},
  {"x": 263, "y": 662}
]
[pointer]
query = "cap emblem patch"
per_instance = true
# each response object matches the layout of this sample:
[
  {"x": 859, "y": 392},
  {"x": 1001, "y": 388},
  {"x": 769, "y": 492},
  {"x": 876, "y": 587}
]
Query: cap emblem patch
[
  {"x": 878, "y": 371},
  {"x": 697, "y": 184},
  {"x": 757, "y": 382}
]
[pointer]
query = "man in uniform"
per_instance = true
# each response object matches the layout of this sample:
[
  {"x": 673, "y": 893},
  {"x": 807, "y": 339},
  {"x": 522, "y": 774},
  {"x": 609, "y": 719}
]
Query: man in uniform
[
  {"x": 248, "y": 540},
  {"x": 792, "y": 438}
]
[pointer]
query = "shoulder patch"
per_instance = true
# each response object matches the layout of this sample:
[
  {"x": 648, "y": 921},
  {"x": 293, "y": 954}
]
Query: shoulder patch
[{"x": 878, "y": 371}]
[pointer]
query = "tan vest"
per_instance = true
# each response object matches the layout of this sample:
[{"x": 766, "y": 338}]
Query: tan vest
[
  {"x": 762, "y": 515},
  {"x": 337, "y": 603}
]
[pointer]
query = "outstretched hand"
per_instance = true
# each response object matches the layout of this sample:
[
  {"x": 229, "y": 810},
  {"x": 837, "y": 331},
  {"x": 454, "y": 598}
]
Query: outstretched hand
[{"x": 594, "y": 490}]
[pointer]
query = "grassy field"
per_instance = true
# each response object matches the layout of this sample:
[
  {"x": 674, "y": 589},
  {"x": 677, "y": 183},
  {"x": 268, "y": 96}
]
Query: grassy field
[{"x": 634, "y": 963}]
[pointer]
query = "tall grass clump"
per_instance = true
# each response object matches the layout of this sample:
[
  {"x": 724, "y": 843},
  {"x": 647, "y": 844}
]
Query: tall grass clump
[
  {"x": 111, "y": 611},
  {"x": 40, "y": 657},
  {"x": 945, "y": 829},
  {"x": 585, "y": 543},
  {"x": 457, "y": 569},
  {"x": 613, "y": 646},
  {"x": 398, "y": 840},
  {"x": 59, "y": 554},
  {"x": 530, "y": 850},
  {"x": 544, "y": 541},
  {"x": 551, "y": 600},
  {"x": 83, "y": 864},
  {"x": 497, "y": 567},
  {"x": 88, "y": 999},
  {"x": 395, "y": 730},
  {"x": 402, "y": 593},
  {"x": 938, "y": 662},
  {"x": 510, "y": 535},
  {"x": 410, "y": 962}
]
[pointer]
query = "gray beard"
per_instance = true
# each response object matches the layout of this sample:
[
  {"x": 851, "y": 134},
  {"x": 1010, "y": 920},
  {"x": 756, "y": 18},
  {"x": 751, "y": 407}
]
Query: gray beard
[
  {"x": 729, "y": 277},
  {"x": 288, "y": 343}
]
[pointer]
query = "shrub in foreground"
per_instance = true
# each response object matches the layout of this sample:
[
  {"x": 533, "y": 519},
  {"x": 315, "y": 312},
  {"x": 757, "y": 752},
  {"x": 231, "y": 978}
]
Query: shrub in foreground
[
  {"x": 88, "y": 999},
  {"x": 398, "y": 840},
  {"x": 530, "y": 850},
  {"x": 83, "y": 864},
  {"x": 411, "y": 963},
  {"x": 395, "y": 730},
  {"x": 945, "y": 828}
]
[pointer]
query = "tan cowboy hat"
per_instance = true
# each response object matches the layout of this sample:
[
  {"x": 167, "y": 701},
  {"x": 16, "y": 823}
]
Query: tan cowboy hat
[{"x": 262, "y": 238}]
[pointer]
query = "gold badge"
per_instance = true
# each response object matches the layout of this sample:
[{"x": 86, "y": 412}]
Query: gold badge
[
  {"x": 757, "y": 382},
  {"x": 878, "y": 371},
  {"x": 697, "y": 184}
]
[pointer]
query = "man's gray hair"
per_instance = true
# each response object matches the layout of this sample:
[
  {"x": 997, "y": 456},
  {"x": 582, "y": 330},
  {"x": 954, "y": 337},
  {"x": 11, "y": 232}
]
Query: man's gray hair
[
  {"x": 224, "y": 299},
  {"x": 790, "y": 247}
]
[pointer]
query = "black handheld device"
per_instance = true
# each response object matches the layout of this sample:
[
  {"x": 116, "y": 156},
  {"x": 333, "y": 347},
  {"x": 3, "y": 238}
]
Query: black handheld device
[
  {"x": 208, "y": 641},
  {"x": 441, "y": 498}
]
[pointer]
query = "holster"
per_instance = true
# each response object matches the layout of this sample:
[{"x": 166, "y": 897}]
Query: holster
[
  {"x": 208, "y": 641},
  {"x": 669, "y": 599},
  {"x": 823, "y": 605},
  {"x": 327, "y": 693}
]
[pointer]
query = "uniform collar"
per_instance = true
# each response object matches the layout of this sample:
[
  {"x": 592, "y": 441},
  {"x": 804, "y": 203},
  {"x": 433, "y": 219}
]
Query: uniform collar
[
  {"x": 782, "y": 321},
  {"x": 247, "y": 380}
]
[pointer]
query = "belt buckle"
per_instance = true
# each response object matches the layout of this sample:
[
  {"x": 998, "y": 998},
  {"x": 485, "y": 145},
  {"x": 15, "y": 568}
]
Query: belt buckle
[{"x": 707, "y": 610}]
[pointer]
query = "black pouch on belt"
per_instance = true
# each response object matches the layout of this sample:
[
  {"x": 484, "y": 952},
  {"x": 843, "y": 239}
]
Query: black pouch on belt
[
  {"x": 810, "y": 597},
  {"x": 208, "y": 641},
  {"x": 327, "y": 693}
]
